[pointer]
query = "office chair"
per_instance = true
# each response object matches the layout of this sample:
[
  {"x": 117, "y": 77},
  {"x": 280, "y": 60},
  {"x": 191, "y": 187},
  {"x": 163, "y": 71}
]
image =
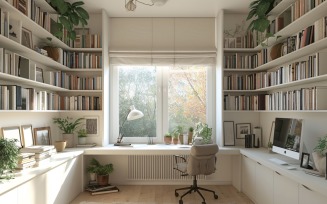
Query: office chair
[{"x": 201, "y": 161}]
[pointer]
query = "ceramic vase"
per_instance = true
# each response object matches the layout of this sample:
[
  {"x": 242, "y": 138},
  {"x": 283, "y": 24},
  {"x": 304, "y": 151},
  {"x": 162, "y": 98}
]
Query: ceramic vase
[
  {"x": 167, "y": 140},
  {"x": 320, "y": 162},
  {"x": 69, "y": 138},
  {"x": 103, "y": 179},
  {"x": 60, "y": 145},
  {"x": 81, "y": 140}
]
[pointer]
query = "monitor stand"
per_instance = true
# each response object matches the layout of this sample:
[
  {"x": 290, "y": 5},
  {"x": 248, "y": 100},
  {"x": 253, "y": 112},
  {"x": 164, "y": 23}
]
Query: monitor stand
[{"x": 278, "y": 161}]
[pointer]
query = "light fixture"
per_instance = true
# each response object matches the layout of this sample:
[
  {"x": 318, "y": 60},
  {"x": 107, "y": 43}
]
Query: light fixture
[
  {"x": 132, "y": 114},
  {"x": 130, "y": 5}
]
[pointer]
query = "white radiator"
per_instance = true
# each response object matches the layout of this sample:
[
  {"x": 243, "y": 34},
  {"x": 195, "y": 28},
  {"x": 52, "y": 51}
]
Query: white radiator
[{"x": 154, "y": 167}]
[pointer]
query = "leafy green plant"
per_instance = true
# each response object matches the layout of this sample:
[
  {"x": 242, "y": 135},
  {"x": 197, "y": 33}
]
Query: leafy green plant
[
  {"x": 202, "y": 130},
  {"x": 322, "y": 145},
  {"x": 67, "y": 125},
  {"x": 70, "y": 15},
  {"x": 167, "y": 134},
  {"x": 190, "y": 129},
  {"x": 100, "y": 169},
  {"x": 8, "y": 157},
  {"x": 82, "y": 132},
  {"x": 258, "y": 15}
]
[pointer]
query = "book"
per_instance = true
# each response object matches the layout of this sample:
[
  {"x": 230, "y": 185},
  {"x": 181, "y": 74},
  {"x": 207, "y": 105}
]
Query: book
[
  {"x": 96, "y": 187},
  {"x": 36, "y": 149},
  {"x": 86, "y": 145},
  {"x": 112, "y": 190}
]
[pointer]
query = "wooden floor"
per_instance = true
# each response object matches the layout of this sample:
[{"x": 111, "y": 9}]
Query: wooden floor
[{"x": 162, "y": 195}]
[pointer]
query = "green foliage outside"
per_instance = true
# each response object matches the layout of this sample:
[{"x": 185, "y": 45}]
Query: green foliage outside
[{"x": 8, "y": 158}]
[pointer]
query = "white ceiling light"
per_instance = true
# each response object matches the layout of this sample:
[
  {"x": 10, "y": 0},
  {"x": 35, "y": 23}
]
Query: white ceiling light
[{"x": 130, "y": 5}]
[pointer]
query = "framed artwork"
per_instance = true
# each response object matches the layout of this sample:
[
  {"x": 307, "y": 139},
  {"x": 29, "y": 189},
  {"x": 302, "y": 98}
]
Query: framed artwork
[
  {"x": 242, "y": 129},
  {"x": 27, "y": 38},
  {"x": 12, "y": 133},
  {"x": 27, "y": 135},
  {"x": 305, "y": 160},
  {"x": 229, "y": 138},
  {"x": 42, "y": 136},
  {"x": 91, "y": 125},
  {"x": 39, "y": 75}
]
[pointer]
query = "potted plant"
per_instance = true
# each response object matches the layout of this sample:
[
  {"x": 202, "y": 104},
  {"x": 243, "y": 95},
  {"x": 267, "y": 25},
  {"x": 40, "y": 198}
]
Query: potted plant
[
  {"x": 175, "y": 135},
  {"x": 91, "y": 169},
  {"x": 202, "y": 130},
  {"x": 68, "y": 126},
  {"x": 319, "y": 156},
  {"x": 190, "y": 134},
  {"x": 179, "y": 133},
  {"x": 8, "y": 157},
  {"x": 102, "y": 171},
  {"x": 167, "y": 138},
  {"x": 82, "y": 134},
  {"x": 70, "y": 15}
]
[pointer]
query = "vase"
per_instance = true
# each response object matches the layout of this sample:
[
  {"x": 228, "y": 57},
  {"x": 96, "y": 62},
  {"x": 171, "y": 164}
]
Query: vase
[
  {"x": 175, "y": 140},
  {"x": 92, "y": 176},
  {"x": 53, "y": 52},
  {"x": 320, "y": 162},
  {"x": 81, "y": 140},
  {"x": 181, "y": 139},
  {"x": 60, "y": 145},
  {"x": 167, "y": 140},
  {"x": 103, "y": 180},
  {"x": 69, "y": 138}
]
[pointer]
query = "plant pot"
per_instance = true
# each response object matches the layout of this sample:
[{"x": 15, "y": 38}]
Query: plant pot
[
  {"x": 82, "y": 140},
  {"x": 190, "y": 136},
  {"x": 103, "y": 179},
  {"x": 92, "y": 176},
  {"x": 69, "y": 138},
  {"x": 53, "y": 52},
  {"x": 181, "y": 139},
  {"x": 175, "y": 141},
  {"x": 320, "y": 162},
  {"x": 167, "y": 140},
  {"x": 275, "y": 51},
  {"x": 60, "y": 145}
]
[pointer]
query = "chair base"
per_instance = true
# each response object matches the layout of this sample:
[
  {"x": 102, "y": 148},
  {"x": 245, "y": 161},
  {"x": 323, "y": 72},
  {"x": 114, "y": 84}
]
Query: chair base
[{"x": 194, "y": 188}]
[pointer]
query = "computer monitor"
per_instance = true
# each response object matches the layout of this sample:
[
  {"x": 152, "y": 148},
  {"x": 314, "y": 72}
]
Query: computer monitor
[{"x": 287, "y": 137}]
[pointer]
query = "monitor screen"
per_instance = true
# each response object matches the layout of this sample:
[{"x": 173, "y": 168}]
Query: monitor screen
[{"x": 287, "y": 137}]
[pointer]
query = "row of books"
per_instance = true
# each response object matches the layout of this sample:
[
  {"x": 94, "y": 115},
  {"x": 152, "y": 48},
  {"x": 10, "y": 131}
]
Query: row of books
[
  {"x": 13, "y": 97},
  {"x": 35, "y": 156},
  {"x": 303, "y": 99},
  {"x": 72, "y": 82},
  {"x": 81, "y": 60},
  {"x": 87, "y": 41},
  {"x": 309, "y": 66},
  {"x": 301, "y": 7},
  {"x": 248, "y": 40},
  {"x": 241, "y": 61},
  {"x": 41, "y": 17}
]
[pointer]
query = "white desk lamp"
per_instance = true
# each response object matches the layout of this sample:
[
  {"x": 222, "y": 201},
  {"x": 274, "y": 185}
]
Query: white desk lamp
[{"x": 133, "y": 114}]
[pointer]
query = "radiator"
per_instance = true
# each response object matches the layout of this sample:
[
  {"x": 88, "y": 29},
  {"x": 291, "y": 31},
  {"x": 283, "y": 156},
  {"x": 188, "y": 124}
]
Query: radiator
[{"x": 154, "y": 167}]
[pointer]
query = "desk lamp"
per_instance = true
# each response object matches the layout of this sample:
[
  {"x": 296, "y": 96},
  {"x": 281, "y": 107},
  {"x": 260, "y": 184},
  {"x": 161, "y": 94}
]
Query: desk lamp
[{"x": 132, "y": 114}]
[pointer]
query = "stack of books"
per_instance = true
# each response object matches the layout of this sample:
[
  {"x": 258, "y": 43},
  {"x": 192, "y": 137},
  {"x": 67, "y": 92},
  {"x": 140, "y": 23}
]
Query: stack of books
[
  {"x": 25, "y": 160},
  {"x": 42, "y": 153},
  {"x": 96, "y": 189}
]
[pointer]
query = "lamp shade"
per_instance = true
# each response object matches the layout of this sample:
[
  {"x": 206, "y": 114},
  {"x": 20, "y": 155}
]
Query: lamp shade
[{"x": 134, "y": 114}]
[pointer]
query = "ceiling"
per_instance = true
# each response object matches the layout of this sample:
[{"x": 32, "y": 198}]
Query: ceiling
[{"x": 173, "y": 8}]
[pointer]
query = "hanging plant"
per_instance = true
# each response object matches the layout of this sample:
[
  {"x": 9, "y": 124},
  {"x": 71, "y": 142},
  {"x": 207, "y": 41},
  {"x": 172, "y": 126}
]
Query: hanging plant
[
  {"x": 258, "y": 16},
  {"x": 70, "y": 15}
]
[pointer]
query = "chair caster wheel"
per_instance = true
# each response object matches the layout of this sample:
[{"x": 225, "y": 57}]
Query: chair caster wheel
[
  {"x": 180, "y": 202},
  {"x": 176, "y": 194},
  {"x": 215, "y": 196}
]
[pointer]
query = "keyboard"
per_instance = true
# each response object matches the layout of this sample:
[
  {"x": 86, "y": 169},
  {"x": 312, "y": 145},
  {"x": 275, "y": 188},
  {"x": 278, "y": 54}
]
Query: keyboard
[{"x": 278, "y": 161}]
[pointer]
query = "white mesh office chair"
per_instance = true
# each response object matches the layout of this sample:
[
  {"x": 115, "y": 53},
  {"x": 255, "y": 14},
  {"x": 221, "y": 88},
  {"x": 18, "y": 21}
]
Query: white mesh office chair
[{"x": 201, "y": 161}]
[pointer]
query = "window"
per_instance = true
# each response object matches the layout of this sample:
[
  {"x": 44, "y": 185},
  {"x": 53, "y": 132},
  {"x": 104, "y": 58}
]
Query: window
[{"x": 168, "y": 96}]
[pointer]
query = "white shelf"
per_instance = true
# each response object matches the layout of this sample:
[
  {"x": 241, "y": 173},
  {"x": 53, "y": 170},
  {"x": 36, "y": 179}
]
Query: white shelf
[
  {"x": 242, "y": 91},
  {"x": 28, "y": 82},
  {"x": 299, "y": 24},
  {"x": 28, "y": 23},
  {"x": 239, "y": 70},
  {"x": 309, "y": 49},
  {"x": 279, "y": 8},
  {"x": 254, "y": 50},
  {"x": 45, "y": 6},
  {"x": 84, "y": 70},
  {"x": 275, "y": 111},
  {"x": 85, "y": 49}
]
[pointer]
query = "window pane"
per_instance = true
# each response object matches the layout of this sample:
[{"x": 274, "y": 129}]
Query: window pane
[
  {"x": 138, "y": 87},
  {"x": 187, "y": 96}
]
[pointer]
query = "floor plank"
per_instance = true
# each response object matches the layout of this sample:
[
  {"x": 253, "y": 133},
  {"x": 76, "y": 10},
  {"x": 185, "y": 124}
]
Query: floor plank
[{"x": 147, "y": 194}]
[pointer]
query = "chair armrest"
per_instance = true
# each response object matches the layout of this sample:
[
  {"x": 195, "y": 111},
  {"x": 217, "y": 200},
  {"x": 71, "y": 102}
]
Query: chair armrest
[{"x": 176, "y": 157}]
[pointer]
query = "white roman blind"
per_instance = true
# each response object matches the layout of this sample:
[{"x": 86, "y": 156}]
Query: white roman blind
[{"x": 162, "y": 35}]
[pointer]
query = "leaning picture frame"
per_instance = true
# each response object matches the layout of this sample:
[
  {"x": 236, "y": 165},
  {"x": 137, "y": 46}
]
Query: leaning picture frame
[
  {"x": 229, "y": 138},
  {"x": 27, "y": 135},
  {"x": 27, "y": 40},
  {"x": 13, "y": 133},
  {"x": 305, "y": 157},
  {"x": 92, "y": 125},
  {"x": 42, "y": 136},
  {"x": 39, "y": 75},
  {"x": 242, "y": 129}
]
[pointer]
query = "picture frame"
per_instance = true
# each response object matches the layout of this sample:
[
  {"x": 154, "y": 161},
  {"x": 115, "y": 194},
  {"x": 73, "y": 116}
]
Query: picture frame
[
  {"x": 27, "y": 39},
  {"x": 42, "y": 136},
  {"x": 27, "y": 135},
  {"x": 305, "y": 158},
  {"x": 39, "y": 75},
  {"x": 229, "y": 135},
  {"x": 22, "y": 6},
  {"x": 92, "y": 125},
  {"x": 242, "y": 129},
  {"x": 12, "y": 132}
]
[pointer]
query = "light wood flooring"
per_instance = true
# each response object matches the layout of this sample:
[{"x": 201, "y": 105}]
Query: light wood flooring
[{"x": 162, "y": 195}]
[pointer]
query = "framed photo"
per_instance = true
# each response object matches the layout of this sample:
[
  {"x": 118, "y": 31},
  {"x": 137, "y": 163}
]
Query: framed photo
[
  {"x": 27, "y": 38},
  {"x": 305, "y": 160},
  {"x": 91, "y": 125},
  {"x": 229, "y": 138},
  {"x": 39, "y": 75},
  {"x": 42, "y": 136},
  {"x": 12, "y": 133},
  {"x": 242, "y": 129},
  {"x": 27, "y": 135}
]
